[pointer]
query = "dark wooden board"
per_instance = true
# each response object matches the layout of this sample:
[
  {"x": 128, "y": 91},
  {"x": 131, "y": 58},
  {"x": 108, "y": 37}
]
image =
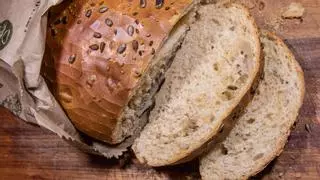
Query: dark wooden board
[{"x": 30, "y": 152}]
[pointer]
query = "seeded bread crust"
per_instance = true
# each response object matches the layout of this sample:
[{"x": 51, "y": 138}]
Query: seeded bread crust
[
  {"x": 200, "y": 145},
  {"x": 98, "y": 52},
  {"x": 206, "y": 160}
]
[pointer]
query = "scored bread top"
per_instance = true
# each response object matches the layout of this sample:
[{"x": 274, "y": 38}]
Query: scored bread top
[
  {"x": 261, "y": 133},
  {"x": 97, "y": 52}
]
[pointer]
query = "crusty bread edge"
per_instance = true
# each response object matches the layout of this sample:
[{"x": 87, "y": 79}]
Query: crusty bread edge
[
  {"x": 281, "y": 142},
  {"x": 205, "y": 144}
]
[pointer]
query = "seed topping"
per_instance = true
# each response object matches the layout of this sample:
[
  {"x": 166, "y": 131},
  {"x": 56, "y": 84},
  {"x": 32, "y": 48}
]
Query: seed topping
[
  {"x": 159, "y": 4},
  {"x": 94, "y": 47},
  {"x": 102, "y": 46},
  {"x": 103, "y": 9},
  {"x": 88, "y": 13},
  {"x": 122, "y": 48},
  {"x": 130, "y": 30},
  {"x": 72, "y": 58},
  {"x": 143, "y": 3},
  {"x": 108, "y": 22},
  {"x": 97, "y": 35}
]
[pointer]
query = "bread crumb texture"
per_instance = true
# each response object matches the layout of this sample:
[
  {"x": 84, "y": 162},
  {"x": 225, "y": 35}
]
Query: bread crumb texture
[
  {"x": 210, "y": 74},
  {"x": 261, "y": 133}
]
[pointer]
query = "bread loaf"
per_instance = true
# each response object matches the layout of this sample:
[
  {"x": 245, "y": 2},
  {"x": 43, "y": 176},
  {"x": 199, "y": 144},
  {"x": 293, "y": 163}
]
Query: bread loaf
[
  {"x": 213, "y": 72},
  {"x": 101, "y": 63},
  {"x": 261, "y": 132}
]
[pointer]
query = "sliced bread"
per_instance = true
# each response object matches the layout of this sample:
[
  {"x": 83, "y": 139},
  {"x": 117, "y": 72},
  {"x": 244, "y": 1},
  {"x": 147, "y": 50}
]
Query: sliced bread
[
  {"x": 211, "y": 75},
  {"x": 260, "y": 134}
]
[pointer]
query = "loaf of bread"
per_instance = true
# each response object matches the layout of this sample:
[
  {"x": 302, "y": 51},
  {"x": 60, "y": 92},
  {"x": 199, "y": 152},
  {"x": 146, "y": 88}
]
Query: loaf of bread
[
  {"x": 209, "y": 80},
  {"x": 105, "y": 60},
  {"x": 261, "y": 132}
]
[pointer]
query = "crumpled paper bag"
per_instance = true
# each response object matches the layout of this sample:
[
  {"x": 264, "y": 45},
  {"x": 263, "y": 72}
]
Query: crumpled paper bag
[{"x": 22, "y": 89}]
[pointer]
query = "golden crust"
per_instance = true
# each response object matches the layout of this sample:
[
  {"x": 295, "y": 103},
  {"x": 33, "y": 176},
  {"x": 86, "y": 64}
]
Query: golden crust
[{"x": 96, "y": 53}]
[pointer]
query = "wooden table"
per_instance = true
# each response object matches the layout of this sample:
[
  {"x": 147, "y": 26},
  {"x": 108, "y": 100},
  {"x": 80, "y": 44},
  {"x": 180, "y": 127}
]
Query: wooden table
[{"x": 29, "y": 152}]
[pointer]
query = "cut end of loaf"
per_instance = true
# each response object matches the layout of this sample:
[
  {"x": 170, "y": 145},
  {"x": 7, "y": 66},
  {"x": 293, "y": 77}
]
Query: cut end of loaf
[
  {"x": 211, "y": 73},
  {"x": 133, "y": 118},
  {"x": 100, "y": 50},
  {"x": 261, "y": 133}
]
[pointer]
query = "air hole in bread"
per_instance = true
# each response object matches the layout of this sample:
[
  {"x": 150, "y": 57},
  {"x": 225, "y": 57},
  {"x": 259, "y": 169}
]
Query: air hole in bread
[
  {"x": 269, "y": 115},
  {"x": 192, "y": 126},
  {"x": 257, "y": 92},
  {"x": 197, "y": 16},
  {"x": 216, "y": 66},
  {"x": 224, "y": 150},
  {"x": 227, "y": 96},
  {"x": 212, "y": 118},
  {"x": 244, "y": 29},
  {"x": 275, "y": 50},
  {"x": 242, "y": 79},
  {"x": 232, "y": 28},
  {"x": 251, "y": 120},
  {"x": 236, "y": 116},
  {"x": 232, "y": 87},
  {"x": 258, "y": 156},
  {"x": 281, "y": 81},
  {"x": 215, "y": 21}
]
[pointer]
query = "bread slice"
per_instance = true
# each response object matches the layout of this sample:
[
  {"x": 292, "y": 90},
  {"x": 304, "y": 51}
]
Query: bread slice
[
  {"x": 262, "y": 131},
  {"x": 211, "y": 74}
]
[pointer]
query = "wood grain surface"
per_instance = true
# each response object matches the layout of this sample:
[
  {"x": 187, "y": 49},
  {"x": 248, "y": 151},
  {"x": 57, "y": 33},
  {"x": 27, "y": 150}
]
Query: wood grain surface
[{"x": 30, "y": 152}]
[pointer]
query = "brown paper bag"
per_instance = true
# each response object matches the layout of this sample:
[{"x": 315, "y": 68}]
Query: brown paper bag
[{"x": 22, "y": 89}]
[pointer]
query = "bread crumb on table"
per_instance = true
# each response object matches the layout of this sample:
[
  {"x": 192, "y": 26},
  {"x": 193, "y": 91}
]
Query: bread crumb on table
[{"x": 294, "y": 10}]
